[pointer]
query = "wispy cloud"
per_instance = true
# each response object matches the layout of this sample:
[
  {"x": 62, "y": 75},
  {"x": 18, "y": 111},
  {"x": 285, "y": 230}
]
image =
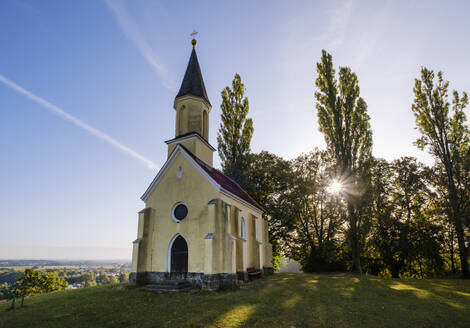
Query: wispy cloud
[
  {"x": 132, "y": 32},
  {"x": 338, "y": 23},
  {"x": 26, "y": 7},
  {"x": 372, "y": 32},
  {"x": 85, "y": 126}
]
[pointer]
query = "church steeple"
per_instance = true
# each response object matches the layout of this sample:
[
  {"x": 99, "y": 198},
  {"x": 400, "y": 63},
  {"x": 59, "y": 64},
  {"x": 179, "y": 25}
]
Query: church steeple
[
  {"x": 192, "y": 113},
  {"x": 193, "y": 83}
]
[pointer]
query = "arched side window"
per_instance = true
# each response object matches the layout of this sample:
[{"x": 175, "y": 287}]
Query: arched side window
[{"x": 243, "y": 229}]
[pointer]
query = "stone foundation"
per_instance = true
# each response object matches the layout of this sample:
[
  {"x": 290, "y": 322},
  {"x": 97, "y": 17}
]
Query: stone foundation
[
  {"x": 132, "y": 278},
  {"x": 199, "y": 280},
  {"x": 242, "y": 276}
]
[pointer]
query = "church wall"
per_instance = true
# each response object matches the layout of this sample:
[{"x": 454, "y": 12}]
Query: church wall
[
  {"x": 253, "y": 244},
  {"x": 228, "y": 249},
  {"x": 143, "y": 260},
  {"x": 203, "y": 152},
  {"x": 193, "y": 190},
  {"x": 248, "y": 251},
  {"x": 136, "y": 243}
]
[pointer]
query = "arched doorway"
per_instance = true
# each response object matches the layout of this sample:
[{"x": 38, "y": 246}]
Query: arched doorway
[{"x": 178, "y": 258}]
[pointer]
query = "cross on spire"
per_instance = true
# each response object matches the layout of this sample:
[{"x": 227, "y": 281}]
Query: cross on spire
[{"x": 193, "y": 41}]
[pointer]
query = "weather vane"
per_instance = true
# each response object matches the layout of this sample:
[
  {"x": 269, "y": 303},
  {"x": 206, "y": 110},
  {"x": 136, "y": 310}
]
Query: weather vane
[{"x": 193, "y": 41}]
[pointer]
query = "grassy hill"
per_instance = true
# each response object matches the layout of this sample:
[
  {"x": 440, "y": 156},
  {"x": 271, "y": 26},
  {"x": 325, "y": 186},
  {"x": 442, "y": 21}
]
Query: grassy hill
[{"x": 282, "y": 300}]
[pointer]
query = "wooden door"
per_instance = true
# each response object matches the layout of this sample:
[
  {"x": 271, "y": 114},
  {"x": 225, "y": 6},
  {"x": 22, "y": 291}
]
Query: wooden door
[{"x": 179, "y": 256}]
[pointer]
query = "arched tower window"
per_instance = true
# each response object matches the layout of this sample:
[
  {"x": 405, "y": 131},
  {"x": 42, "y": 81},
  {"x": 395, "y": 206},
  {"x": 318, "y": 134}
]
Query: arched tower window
[
  {"x": 181, "y": 121},
  {"x": 205, "y": 125}
]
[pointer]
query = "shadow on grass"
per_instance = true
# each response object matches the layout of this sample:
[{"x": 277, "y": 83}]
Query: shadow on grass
[{"x": 347, "y": 301}]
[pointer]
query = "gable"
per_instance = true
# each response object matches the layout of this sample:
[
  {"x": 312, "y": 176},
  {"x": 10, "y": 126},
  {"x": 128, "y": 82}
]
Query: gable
[
  {"x": 178, "y": 154},
  {"x": 219, "y": 182}
]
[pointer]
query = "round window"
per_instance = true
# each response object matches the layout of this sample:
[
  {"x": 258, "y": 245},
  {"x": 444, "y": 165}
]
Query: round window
[{"x": 180, "y": 211}]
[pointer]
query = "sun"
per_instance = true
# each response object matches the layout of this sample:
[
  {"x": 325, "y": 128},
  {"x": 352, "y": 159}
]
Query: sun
[{"x": 335, "y": 187}]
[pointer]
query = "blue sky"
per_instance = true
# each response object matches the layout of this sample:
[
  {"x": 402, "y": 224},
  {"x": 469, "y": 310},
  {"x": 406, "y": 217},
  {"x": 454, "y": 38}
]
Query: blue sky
[{"x": 87, "y": 88}]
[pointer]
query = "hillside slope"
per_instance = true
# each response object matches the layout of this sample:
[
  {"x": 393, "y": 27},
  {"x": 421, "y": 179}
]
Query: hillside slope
[{"x": 282, "y": 300}]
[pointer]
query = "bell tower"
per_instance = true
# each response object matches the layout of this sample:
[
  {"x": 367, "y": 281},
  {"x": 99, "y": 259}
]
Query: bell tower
[{"x": 192, "y": 108}]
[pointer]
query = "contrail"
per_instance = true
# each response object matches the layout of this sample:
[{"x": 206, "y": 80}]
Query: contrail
[
  {"x": 131, "y": 31},
  {"x": 66, "y": 116}
]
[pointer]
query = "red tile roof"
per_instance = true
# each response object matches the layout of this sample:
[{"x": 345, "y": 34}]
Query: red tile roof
[{"x": 224, "y": 181}]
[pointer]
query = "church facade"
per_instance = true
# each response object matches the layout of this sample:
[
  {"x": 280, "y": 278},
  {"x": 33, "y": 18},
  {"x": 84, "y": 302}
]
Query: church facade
[{"x": 197, "y": 225}]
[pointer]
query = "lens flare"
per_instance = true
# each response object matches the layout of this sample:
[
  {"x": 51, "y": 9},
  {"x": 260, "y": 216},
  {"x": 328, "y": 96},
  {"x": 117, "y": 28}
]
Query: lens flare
[{"x": 335, "y": 187}]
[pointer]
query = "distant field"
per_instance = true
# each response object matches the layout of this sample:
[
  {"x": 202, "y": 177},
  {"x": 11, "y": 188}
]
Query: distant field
[{"x": 282, "y": 300}]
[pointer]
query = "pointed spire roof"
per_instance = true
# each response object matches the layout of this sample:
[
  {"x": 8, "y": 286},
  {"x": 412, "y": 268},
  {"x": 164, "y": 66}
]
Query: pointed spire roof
[{"x": 193, "y": 83}]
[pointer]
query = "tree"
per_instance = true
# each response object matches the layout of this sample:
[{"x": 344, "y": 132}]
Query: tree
[
  {"x": 235, "y": 132},
  {"x": 4, "y": 291},
  {"x": 267, "y": 179},
  {"x": 445, "y": 135},
  {"x": 386, "y": 231},
  {"x": 343, "y": 119},
  {"x": 34, "y": 282},
  {"x": 104, "y": 278},
  {"x": 123, "y": 276},
  {"x": 316, "y": 216}
]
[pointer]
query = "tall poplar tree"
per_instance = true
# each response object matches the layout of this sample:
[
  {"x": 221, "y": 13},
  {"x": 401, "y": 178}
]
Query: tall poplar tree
[
  {"x": 446, "y": 136},
  {"x": 235, "y": 132},
  {"x": 344, "y": 122}
]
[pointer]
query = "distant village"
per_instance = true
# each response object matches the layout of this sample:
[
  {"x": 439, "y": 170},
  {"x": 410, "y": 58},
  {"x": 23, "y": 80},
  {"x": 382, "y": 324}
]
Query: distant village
[{"x": 78, "y": 274}]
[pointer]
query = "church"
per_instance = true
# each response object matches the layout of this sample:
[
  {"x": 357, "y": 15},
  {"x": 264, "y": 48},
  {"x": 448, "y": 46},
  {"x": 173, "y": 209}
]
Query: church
[{"x": 198, "y": 225}]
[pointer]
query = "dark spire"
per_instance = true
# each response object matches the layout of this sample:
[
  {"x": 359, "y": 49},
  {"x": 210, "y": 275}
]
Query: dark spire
[{"x": 193, "y": 84}]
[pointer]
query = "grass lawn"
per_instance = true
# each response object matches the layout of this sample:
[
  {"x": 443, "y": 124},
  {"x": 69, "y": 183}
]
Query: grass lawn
[{"x": 282, "y": 300}]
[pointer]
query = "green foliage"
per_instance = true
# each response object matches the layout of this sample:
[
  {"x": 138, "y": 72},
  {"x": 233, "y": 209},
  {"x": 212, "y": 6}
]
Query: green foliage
[
  {"x": 235, "y": 132},
  {"x": 446, "y": 136},
  {"x": 104, "y": 278},
  {"x": 344, "y": 122},
  {"x": 81, "y": 278},
  {"x": 404, "y": 237},
  {"x": 342, "y": 116},
  {"x": 4, "y": 293},
  {"x": 35, "y": 282},
  {"x": 316, "y": 215},
  {"x": 267, "y": 179},
  {"x": 124, "y": 277}
]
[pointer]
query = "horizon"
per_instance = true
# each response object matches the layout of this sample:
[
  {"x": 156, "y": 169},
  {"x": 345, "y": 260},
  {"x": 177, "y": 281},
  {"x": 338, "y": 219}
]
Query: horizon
[
  {"x": 65, "y": 260},
  {"x": 87, "y": 90}
]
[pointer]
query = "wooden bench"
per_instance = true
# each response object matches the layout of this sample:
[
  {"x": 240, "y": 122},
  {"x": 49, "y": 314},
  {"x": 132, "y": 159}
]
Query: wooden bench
[{"x": 252, "y": 272}]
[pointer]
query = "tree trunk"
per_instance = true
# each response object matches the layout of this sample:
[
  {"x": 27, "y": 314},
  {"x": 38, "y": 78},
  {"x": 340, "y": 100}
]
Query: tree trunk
[
  {"x": 459, "y": 230},
  {"x": 13, "y": 303},
  {"x": 462, "y": 249},
  {"x": 22, "y": 300},
  {"x": 420, "y": 269},
  {"x": 452, "y": 251},
  {"x": 395, "y": 270},
  {"x": 452, "y": 261},
  {"x": 354, "y": 240}
]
